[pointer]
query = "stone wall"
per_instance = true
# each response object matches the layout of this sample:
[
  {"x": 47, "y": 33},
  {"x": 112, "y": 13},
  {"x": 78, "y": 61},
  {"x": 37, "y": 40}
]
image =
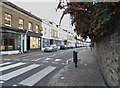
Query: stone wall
[{"x": 107, "y": 52}]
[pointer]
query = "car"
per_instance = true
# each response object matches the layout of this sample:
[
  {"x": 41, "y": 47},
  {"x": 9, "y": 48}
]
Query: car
[
  {"x": 62, "y": 47},
  {"x": 50, "y": 48}
]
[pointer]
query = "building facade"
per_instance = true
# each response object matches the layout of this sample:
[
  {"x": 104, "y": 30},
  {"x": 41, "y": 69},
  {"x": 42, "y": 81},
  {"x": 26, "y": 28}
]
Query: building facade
[
  {"x": 50, "y": 34},
  {"x": 19, "y": 29},
  {"x": 55, "y": 35}
]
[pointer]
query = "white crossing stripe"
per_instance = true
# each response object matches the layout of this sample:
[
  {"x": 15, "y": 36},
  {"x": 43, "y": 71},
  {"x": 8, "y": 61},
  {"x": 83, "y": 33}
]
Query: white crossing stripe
[
  {"x": 58, "y": 59},
  {"x": 5, "y": 63},
  {"x": 49, "y": 59},
  {"x": 11, "y": 66},
  {"x": 54, "y": 62},
  {"x": 36, "y": 59},
  {"x": 17, "y": 72},
  {"x": 37, "y": 77}
]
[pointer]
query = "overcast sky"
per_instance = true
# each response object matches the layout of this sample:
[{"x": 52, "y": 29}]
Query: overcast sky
[{"x": 45, "y": 9}]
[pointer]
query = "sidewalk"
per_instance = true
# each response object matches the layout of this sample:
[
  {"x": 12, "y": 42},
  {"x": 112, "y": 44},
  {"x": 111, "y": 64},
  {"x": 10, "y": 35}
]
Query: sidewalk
[
  {"x": 13, "y": 56},
  {"x": 86, "y": 74}
]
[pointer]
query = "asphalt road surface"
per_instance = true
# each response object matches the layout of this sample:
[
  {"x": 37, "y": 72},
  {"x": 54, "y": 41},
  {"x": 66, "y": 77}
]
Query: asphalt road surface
[{"x": 35, "y": 70}]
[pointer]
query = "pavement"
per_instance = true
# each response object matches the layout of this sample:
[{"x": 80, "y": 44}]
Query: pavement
[
  {"x": 13, "y": 56},
  {"x": 86, "y": 73}
]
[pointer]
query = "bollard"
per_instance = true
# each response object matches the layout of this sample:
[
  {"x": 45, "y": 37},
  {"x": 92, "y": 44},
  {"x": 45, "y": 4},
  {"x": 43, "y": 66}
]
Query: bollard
[{"x": 75, "y": 57}]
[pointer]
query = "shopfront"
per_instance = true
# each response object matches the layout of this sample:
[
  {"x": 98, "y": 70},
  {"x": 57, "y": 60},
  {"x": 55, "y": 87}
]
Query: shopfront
[
  {"x": 33, "y": 41},
  {"x": 10, "y": 41}
]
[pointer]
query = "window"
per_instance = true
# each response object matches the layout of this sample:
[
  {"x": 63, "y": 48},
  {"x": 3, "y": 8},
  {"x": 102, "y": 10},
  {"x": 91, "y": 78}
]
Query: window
[
  {"x": 45, "y": 31},
  {"x": 30, "y": 26},
  {"x": 8, "y": 19},
  {"x": 10, "y": 41},
  {"x": 37, "y": 27},
  {"x": 20, "y": 24}
]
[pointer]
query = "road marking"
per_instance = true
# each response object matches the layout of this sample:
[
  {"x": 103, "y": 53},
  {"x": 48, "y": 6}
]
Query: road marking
[
  {"x": 45, "y": 61},
  {"x": 17, "y": 72},
  {"x": 58, "y": 60},
  {"x": 54, "y": 62},
  {"x": 81, "y": 62},
  {"x": 37, "y": 77},
  {"x": 5, "y": 63},
  {"x": 11, "y": 66},
  {"x": 62, "y": 78},
  {"x": 48, "y": 58},
  {"x": 52, "y": 55},
  {"x": 68, "y": 61},
  {"x": 36, "y": 59},
  {"x": 15, "y": 85}
]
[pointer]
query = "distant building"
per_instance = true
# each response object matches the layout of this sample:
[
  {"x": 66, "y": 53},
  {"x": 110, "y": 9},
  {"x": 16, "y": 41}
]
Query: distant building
[
  {"x": 19, "y": 29},
  {"x": 55, "y": 35},
  {"x": 51, "y": 34}
]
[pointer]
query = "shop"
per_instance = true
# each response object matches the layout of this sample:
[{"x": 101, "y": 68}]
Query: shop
[
  {"x": 32, "y": 41},
  {"x": 45, "y": 42},
  {"x": 10, "y": 41}
]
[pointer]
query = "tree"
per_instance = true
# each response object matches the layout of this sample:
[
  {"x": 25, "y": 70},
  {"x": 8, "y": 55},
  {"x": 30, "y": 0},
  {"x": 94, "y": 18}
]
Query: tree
[{"x": 90, "y": 19}]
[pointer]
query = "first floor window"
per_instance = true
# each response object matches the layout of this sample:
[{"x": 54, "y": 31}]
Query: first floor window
[
  {"x": 8, "y": 19},
  {"x": 37, "y": 28},
  {"x": 30, "y": 26},
  {"x": 20, "y": 23}
]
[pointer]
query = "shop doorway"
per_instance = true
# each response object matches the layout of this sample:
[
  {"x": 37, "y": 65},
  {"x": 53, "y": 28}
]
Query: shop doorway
[
  {"x": 28, "y": 43},
  {"x": 51, "y": 41}
]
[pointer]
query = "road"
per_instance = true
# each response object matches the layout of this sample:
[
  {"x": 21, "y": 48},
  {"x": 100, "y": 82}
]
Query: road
[{"x": 35, "y": 70}]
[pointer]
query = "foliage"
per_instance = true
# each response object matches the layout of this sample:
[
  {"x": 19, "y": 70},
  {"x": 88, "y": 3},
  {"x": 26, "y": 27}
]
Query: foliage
[{"x": 90, "y": 19}]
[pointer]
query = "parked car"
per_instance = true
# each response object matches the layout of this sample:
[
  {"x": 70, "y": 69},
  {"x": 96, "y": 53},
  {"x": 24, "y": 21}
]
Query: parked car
[
  {"x": 62, "y": 47},
  {"x": 50, "y": 48}
]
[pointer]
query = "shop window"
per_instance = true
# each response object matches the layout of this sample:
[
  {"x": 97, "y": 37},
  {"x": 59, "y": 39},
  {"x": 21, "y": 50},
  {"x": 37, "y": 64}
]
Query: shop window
[
  {"x": 30, "y": 26},
  {"x": 10, "y": 41},
  {"x": 20, "y": 23},
  {"x": 34, "y": 43},
  {"x": 37, "y": 28},
  {"x": 8, "y": 19}
]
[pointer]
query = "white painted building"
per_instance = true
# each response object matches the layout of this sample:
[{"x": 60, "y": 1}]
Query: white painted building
[{"x": 45, "y": 39}]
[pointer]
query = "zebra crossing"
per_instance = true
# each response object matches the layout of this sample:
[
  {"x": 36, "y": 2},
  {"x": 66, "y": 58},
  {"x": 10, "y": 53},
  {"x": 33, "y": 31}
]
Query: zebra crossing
[
  {"x": 47, "y": 59},
  {"x": 28, "y": 81}
]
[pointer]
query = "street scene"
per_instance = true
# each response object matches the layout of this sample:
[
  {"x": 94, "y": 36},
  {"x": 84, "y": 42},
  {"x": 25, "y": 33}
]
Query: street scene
[{"x": 64, "y": 43}]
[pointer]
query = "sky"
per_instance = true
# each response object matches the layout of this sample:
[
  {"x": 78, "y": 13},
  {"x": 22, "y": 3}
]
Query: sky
[{"x": 45, "y": 9}]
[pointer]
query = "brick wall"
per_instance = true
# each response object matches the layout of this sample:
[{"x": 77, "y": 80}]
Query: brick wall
[
  {"x": 107, "y": 52},
  {"x": 15, "y": 18}
]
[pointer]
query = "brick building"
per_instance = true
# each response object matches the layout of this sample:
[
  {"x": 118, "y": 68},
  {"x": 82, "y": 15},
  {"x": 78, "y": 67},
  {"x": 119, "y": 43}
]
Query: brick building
[{"x": 19, "y": 29}]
